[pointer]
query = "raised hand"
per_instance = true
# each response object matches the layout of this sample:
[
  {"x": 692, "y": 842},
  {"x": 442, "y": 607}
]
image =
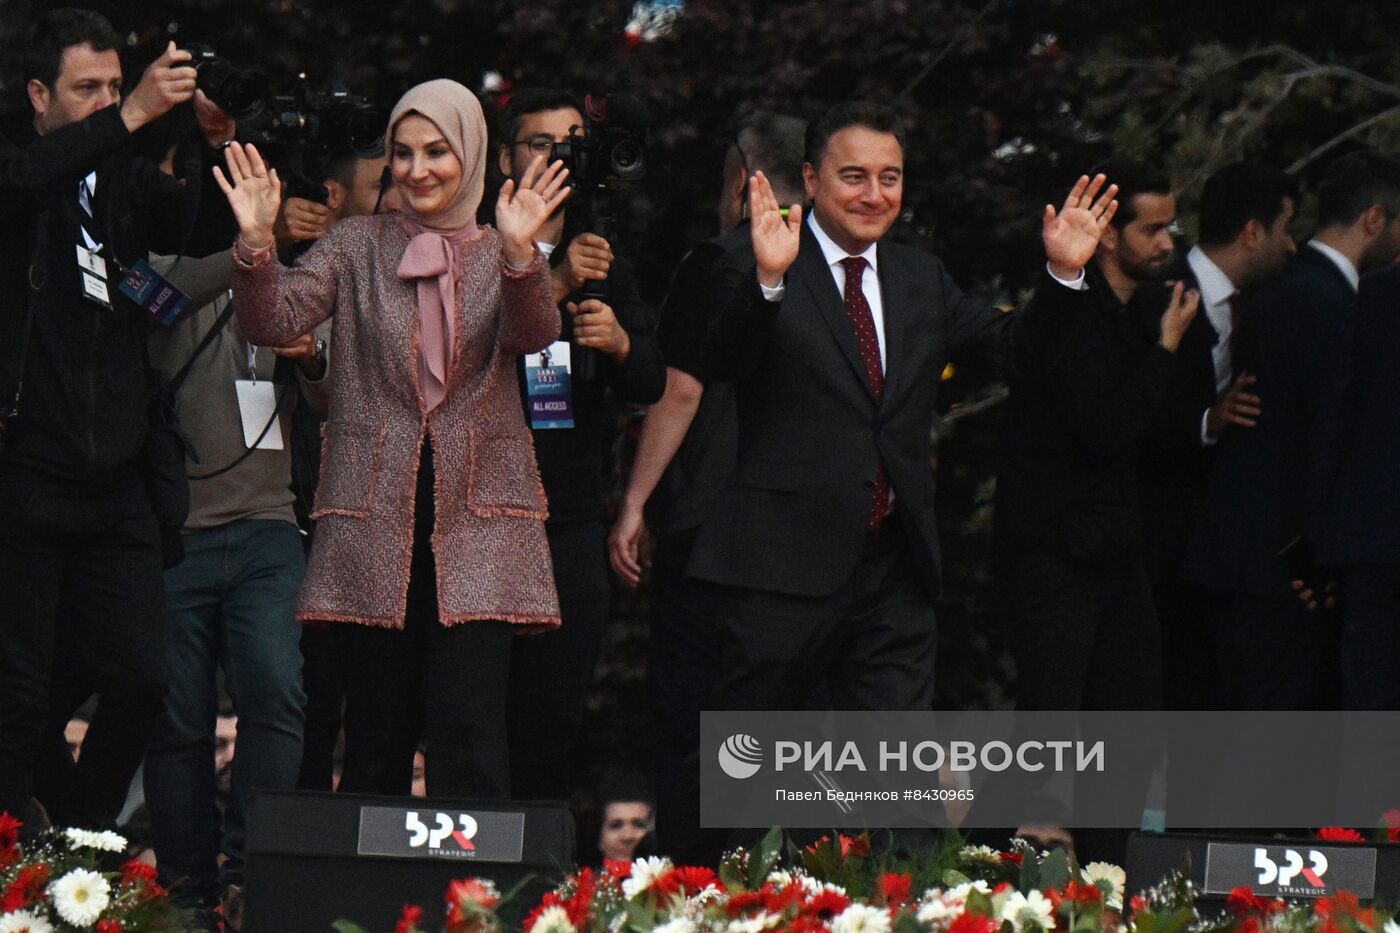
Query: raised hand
[
  {"x": 165, "y": 83},
  {"x": 1181, "y": 310},
  {"x": 522, "y": 210},
  {"x": 255, "y": 193},
  {"x": 1072, "y": 235},
  {"x": 775, "y": 237}
]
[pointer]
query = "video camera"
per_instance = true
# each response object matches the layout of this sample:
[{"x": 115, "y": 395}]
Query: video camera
[
  {"x": 240, "y": 94},
  {"x": 314, "y": 126},
  {"x": 610, "y": 152}
]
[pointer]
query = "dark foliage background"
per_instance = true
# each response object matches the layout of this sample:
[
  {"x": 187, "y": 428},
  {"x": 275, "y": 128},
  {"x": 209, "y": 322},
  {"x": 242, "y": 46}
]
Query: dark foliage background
[{"x": 1007, "y": 100}]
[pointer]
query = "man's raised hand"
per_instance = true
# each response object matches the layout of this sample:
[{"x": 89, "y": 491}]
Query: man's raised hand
[
  {"x": 1072, "y": 235},
  {"x": 775, "y": 237},
  {"x": 255, "y": 193},
  {"x": 521, "y": 210},
  {"x": 166, "y": 82}
]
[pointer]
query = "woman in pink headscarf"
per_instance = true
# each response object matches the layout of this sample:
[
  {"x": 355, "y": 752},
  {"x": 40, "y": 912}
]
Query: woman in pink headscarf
[{"x": 430, "y": 515}]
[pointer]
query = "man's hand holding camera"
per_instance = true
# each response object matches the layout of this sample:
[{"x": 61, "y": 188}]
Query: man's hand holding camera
[
  {"x": 166, "y": 83},
  {"x": 596, "y": 326},
  {"x": 588, "y": 259}
]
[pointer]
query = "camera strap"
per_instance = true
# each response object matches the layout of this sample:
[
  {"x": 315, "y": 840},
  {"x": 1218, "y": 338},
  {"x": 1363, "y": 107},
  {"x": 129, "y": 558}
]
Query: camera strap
[{"x": 35, "y": 274}]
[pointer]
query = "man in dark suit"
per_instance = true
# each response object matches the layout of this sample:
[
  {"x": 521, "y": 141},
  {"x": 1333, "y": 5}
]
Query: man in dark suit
[
  {"x": 824, "y": 536},
  {"x": 1362, "y": 536},
  {"x": 1245, "y": 212},
  {"x": 1269, "y": 486}
]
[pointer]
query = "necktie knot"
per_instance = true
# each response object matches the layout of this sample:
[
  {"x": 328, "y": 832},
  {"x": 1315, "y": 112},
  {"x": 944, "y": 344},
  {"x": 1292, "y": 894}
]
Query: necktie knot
[{"x": 855, "y": 267}]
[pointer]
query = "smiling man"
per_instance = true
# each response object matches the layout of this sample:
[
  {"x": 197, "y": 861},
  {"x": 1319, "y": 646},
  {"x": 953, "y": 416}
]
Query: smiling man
[{"x": 824, "y": 540}]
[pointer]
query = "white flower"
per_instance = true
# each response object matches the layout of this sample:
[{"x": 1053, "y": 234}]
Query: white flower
[
  {"x": 862, "y": 918},
  {"x": 645, "y": 871},
  {"x": 780, "y": 878},
  {"x": 80, "y": 896},
  {"x": 938, "y": 912},
  {"x": 755, "y": 924},
  {"x": 678, "y": 925},
  {"x": 1391, "y": 927},
  {"x": 1030, "y": 911},
  {"x": 22, "y": 921},
  {"x": 552, "y": 920},
  {"x": 1101, "y": 874},
  {"x": 105, "y": 841},
  {"x": 980, "y": 854}
]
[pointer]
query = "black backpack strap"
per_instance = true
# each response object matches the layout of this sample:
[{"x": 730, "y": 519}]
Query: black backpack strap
[{"x": 179, "y": 378}]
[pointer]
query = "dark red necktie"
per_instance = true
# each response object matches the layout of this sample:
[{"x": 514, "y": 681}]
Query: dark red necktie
[{"x": 863, "y": 323}]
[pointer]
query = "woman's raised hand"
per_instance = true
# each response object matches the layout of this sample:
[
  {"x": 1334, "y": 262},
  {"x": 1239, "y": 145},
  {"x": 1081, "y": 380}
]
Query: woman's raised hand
[
  {"x": 522, "y": 209},
  {"x": 255, "y": 193}
]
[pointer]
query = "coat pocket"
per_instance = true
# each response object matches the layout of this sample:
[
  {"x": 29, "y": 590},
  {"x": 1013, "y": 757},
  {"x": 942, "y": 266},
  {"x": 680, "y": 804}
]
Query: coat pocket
[
  {"x": 503, "y": 478},
  {"x": 351, "y": 456}
]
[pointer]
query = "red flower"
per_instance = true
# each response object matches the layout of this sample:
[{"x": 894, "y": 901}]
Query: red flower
[
  {"x": 1338, "y": 834},
  {"x": 827, "y": 905},
  {"x": 109, "y": 926},
  {"x": 1243, "y": 902},
  {"x": 474, "y": 890},
  {"x": 739, "y": 904},
  {"x": 1014, "y": 858},
  {"x": 1004, "y": 886},
  {"x": 136, "y": 870},
  {"x": 825, "y": 840},
  {"x": 551, "y": 899},
  {"x": 618, "y": 868},
  {"x": 9, "y": 830},
  {"x": 687, "y": 879},
  {"x": 895, "y": 888},
  {"x": 973, "y": 923},
  {"x": 1248, "y": 925},
  {"x": 777, "y": 901},
  {"x": 27, "y": 888},
  {"x": 858, "y": 846},
  {"x": 408, "y": 921},
  {"x": 1137, "y": 903},
  {"x": 578, "y": 906}
]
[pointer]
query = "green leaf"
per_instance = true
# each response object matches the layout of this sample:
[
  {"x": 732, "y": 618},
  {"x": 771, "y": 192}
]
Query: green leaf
[
  {"x": 1054, "y": 870},
  {"x": 1030, "y": 874},
  {"x": 345, "y": 926},
  {"x": 763, "y": 858},
  {"x": 952, "y": 878},
  {"x": 979, "y": 903}
]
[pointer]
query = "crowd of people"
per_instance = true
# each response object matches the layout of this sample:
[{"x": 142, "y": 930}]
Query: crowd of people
[{"x": 1193, "y": 509}]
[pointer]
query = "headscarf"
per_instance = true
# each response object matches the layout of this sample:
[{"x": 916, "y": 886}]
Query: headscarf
[{"x": 431, "y": 257}]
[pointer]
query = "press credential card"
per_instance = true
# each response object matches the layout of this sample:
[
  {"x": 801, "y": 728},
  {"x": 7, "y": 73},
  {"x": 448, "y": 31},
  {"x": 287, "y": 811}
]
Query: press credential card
[{"x": 257, "y": 403}]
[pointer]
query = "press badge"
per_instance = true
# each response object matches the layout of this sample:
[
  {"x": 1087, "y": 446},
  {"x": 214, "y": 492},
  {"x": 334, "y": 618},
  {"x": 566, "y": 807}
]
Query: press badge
[
  {"x": 548, "y": 388},
  {"x": 257, "y": 404},
  {"x": 149, "y": 289},
  {"x": 93, "y": 270}
]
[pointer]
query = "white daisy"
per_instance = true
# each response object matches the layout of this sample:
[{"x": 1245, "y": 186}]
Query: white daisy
[
  {"x": 780, "y": 878},
  {"x": 22, "y": 921},
  {"x": 105, "y": 841},
  {"x": 980, "y": 854},
  {"x": 552, "y": 920},
  {"x": 1112, "y": 880},
  {"x": 80, "y": 896},
  {"x": 678, "y": 925},
  {"x": 1029, "y": 911},
  {"x": 755, "y": 924},
  {"x": 862, "y": 918},
  {"x": 645, "y": 871},
  {"x": 1391, "y": 927}
]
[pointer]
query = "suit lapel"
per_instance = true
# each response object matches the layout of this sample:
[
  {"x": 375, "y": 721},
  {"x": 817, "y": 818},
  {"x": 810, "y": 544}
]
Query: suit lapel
[{"x": 816, "y": 278}]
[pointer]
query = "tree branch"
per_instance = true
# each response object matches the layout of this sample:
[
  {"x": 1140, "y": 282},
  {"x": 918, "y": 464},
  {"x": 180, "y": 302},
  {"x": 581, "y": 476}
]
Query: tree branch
[{"x": 1342, "y": 137}]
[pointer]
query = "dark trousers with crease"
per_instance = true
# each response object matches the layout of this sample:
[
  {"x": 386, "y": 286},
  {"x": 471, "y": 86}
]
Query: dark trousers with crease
[{"x": 446, "y": 684}]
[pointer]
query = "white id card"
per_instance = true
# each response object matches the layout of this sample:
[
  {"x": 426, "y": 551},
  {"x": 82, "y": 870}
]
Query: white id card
[
  {"x": 92, "y": 262},
  {"x": 96, "y": 289},
  {"x": 257, "y": 401}
]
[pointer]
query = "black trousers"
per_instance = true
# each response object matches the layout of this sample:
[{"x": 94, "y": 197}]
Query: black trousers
[
  {"x": 87, "y": 559},
  {"x": 325, "y": 653},
  {"x": 445, "y": 683},
  {"x": 1370, "y": 648},
  {"x": 682, "y": 672},
  {"x": 1273, "y": 654},
  {"x": 550, "y": 674},
  {"x": 872, "y": 641}
]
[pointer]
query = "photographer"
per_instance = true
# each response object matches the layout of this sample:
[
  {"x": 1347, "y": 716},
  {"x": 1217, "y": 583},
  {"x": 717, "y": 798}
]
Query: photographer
[
  {"x": 608, "y": 344},
  {"x": 80, "y": 540}
]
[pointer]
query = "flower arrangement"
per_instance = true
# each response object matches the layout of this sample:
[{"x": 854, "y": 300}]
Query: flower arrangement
[{"x": 56, "y": 885}]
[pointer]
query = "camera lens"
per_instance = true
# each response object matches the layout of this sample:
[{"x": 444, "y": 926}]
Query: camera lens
[
  {"x": 627, "y": 158},
  {"x": 239, "y": 94}
]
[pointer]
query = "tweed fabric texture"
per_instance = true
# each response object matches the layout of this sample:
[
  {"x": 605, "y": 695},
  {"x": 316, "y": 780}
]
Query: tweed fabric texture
[{"x": 489, "y": 540}]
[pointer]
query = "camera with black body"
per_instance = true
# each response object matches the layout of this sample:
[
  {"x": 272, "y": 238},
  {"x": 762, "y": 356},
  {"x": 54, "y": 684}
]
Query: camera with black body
[
  {"x": 238, "y": 93},
  {"x": 312, "y": 127}
]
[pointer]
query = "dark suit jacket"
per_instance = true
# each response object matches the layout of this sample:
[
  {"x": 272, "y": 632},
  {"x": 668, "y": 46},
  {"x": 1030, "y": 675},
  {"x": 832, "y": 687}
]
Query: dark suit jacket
[
  {"x": 792, "y": 518},
  {"x": 1174, "y": 461},
  {"x": 1076, "y": 427},
  {"x": 1269, "y": 485},
  {"x": 1363, "y": 524}
]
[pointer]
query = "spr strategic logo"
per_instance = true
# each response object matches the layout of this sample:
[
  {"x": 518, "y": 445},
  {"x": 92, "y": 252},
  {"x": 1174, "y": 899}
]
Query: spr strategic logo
[
  {"x": 740, "y": 756},
  {"x": 1283, "y": 871},
  {"x": 481, "y": 835}
]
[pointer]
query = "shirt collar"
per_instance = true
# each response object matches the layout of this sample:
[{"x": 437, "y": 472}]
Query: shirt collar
[
  {"x": 1216, "y": 287},
  {"x": 832, "y": 253},
  {"x": 1347, "y": 267}
]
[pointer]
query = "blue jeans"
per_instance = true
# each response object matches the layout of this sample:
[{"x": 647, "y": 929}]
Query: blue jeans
[{"x": 229, "y": 605}]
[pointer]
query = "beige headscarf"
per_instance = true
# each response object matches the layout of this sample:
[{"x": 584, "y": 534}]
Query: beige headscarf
[{"x": 432, "y": 256}]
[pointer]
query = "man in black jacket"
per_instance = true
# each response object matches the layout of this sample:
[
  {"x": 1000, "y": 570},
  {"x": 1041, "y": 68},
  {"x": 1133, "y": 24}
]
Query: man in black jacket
[
  {"x": 79, "y": 541},
  {"x": 1245, "y": 212},
  {"x": 608, "y": 345},
  {"x": 1269, "y": 487}
]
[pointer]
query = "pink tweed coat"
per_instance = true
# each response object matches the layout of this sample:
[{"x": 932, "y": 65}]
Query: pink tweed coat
[{"x": 489, "y": 541}]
